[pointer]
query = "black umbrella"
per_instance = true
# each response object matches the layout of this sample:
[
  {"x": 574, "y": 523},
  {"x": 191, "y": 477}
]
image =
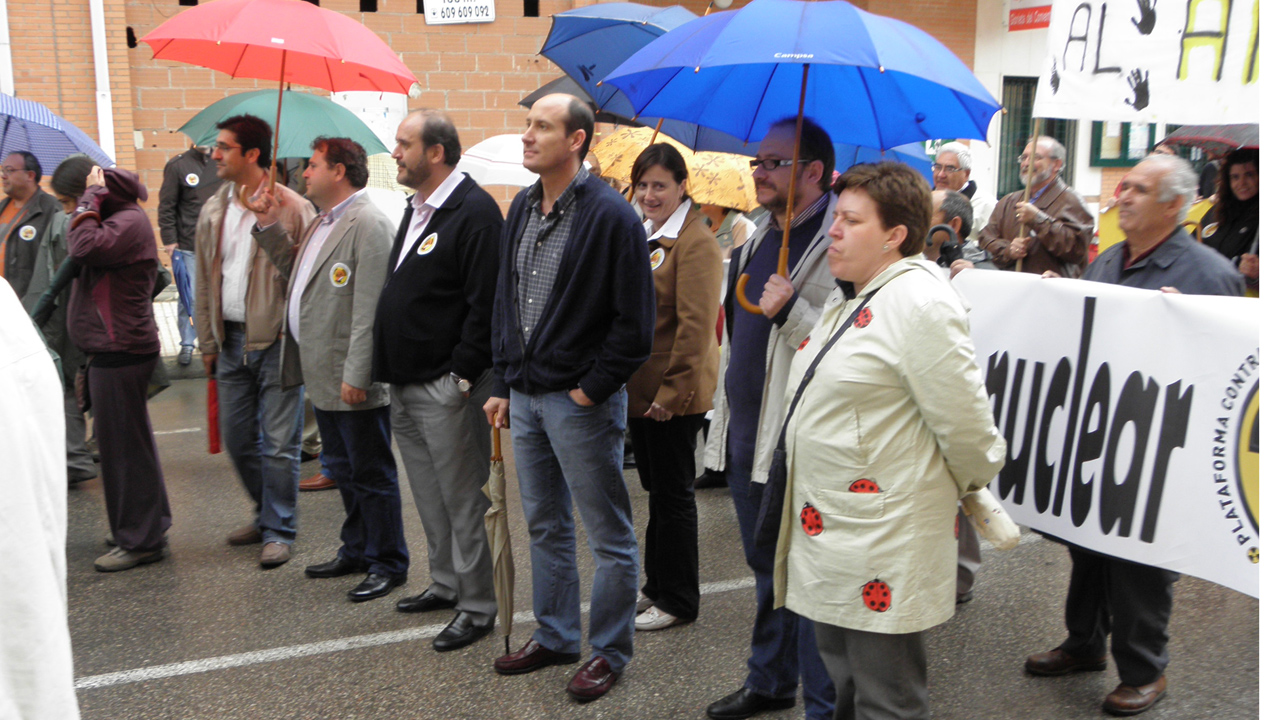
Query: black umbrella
[
  {"x": 1215, "y": 140},
  {"x": 565, "y": 84}
]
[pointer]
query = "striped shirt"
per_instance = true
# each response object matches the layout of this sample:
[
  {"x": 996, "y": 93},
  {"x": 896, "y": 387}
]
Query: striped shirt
[{"x": 541, "y": 247}]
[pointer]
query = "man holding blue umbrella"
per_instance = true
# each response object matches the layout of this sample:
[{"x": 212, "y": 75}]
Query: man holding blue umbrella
[{"x": 755, "y": 364}]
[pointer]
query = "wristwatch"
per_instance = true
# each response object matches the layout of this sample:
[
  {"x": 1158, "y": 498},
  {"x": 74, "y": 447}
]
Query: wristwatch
[{"x": 463, "y": 384}]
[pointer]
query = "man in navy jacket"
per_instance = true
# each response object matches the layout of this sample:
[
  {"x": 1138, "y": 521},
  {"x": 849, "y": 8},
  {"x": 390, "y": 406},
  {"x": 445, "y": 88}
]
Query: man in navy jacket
[
  {"x": 572, "y": 321},
  {"x": 431, "y": 342}
]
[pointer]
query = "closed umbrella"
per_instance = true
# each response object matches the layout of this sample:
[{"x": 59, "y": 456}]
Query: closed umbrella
[
  {"x": 498, "y": 160},
  {"x": 495, "y": 526},
  {"x": 30, "y": 126},
  {"x": 304, "y": 116}
]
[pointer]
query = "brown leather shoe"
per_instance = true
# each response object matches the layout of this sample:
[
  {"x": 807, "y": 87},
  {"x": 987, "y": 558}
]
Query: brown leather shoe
[
  {"x": 1058, "y": 662},
  {"x": 274, "y": 554},
  {"x": 247, "y": 535},
  {"x": 592, "y": 680},
  {"x": 1130, "y": 700},
  {"x": 532, "y": 657},
  {"x": 319, "y": 481}
]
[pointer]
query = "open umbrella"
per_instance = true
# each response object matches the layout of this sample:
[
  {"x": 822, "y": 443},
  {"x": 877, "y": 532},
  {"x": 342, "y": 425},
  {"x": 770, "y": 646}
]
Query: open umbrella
[
  {"x": 498, "y": 160},
  {"x": 30, "y": 126},
  {"x": 568, "y": 86},
  {"x": 871, "y": 81},
  {"x": 1215, "y": 140},
  {"x": 305, "y": 117},
  {"x": 495, "y": 526},
  {"x": 715, "y": 178}
]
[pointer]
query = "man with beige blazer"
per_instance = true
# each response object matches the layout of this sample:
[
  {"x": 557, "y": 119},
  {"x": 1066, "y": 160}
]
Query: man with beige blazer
[{"x": 334, "y": 282}]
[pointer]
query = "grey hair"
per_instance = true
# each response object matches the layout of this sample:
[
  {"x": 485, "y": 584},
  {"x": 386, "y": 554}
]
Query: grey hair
[
  {"x": 960, "y": 150},
  {"x": 955, "y": 204},
  {"x": 1178, "y": 180},
  {"x": 1056, "y": 150}
]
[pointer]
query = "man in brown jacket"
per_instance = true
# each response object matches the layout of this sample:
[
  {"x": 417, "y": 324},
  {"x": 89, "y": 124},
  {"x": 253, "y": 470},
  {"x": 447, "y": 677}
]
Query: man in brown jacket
[
  {"x": 240, "y": 298},
  {"x": 1052, "y": 230}
]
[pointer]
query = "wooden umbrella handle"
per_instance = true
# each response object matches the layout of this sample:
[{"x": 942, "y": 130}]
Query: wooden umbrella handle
[
  {"x": 497, "y": 445},
  {"x": 741, "y": 292}
]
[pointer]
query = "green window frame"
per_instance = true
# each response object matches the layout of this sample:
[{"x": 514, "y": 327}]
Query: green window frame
[{"x": 1120, "y": 150}]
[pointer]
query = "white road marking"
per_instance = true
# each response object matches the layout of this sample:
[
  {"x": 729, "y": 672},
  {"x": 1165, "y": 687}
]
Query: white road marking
[
  {"x": 177, "y": 432},
  {"x": 256, "y": 657}
]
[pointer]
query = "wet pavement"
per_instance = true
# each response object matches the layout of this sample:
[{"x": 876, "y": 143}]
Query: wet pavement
[{"x": 208, "y": 634}]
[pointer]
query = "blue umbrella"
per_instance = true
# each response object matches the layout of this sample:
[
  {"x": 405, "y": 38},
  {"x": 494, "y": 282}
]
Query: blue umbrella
[
  {"x": 911, "y": 154},
  {"x": 30, "y": 126}
]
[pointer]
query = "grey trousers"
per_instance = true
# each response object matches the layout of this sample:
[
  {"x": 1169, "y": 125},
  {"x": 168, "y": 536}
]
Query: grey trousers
[
  {"x": 80, "y": 464},
  {"x": 444, "y": 441},
  {"x": 970, "y": 556},
  {"x": 310, "y": 430},
  {"x": 878, "y": 676}
]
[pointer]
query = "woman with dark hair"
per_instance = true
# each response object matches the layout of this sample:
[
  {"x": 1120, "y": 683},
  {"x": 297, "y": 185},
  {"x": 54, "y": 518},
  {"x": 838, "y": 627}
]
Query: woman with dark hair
[
  {"x": 669, "y": 395},
  {"x": 889, "y": 425},
  {"x": 68, "y": 181},
  {"x": 1231, "y": 225},
  {"x": 111, "y": 320}
]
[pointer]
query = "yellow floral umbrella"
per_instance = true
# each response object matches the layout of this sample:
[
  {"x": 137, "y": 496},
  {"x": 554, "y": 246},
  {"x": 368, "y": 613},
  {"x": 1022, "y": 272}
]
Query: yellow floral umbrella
[{"x": 715, "y": 178}]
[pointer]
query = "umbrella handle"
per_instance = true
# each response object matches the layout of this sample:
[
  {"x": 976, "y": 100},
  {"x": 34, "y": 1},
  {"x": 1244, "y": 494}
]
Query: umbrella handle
[
  {"x": 741, "y": 291},
  {"x": 497, "y": 446}
]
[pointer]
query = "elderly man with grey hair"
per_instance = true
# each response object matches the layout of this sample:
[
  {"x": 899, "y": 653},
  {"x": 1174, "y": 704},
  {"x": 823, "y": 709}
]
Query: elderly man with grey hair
[
  {"x": 1051, "y": 231},
  {"x": 951, "y": 167},
  {"x": 1129, "y": 600}
]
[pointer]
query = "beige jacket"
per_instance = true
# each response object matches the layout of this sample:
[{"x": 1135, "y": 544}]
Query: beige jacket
[
  {"x": 899, "y": 407},
  {"x": 265, "y": 294}
]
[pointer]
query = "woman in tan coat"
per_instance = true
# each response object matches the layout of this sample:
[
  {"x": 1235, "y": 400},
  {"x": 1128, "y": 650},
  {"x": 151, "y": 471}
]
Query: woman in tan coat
[{"x": 672, "y": 391}]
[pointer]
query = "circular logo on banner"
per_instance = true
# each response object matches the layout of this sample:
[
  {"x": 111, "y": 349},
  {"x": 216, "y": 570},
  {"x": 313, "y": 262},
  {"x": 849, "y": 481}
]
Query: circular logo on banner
[
  {"x": 193, "y": 179},
  {"x": 340, "y": 275},
  {"x": 1247, "y": 467},
  {"x": 428, "y": 244},
  {"x": 27, "y": 232},
  {"x": 656, "y": 257}
]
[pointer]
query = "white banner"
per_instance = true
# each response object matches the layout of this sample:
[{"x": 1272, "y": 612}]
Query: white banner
[
  {"x": 1131, "y": 418},
  {"x": 1176, "y": 61}
]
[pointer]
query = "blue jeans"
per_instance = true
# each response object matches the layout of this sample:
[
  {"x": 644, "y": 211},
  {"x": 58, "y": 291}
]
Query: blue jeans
[
  {"x": 784, "y": 648},
  {"x": 567, "y": 454},
  {"x": 262, "y": 431},
  {"x": 184, "y": 276},
  {"x": 357, "y": 456}
]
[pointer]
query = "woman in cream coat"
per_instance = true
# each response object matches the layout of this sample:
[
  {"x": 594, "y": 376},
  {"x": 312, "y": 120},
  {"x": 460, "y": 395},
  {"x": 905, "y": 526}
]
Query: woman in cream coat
[{"x": 894, "y": 426}]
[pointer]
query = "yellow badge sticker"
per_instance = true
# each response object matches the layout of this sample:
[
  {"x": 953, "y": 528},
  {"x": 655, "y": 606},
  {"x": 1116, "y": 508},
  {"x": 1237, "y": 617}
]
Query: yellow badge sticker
[
  {"x": 340, "y": 275},
  {"x": 27, "y": 232},
  {"x": 428, "y": 244},
  {"x": 192, "y": 179},
  {"x": 656, "y": 257}
]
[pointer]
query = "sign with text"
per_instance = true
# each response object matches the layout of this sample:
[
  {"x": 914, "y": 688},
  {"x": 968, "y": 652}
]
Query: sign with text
[
  {"x": 1131, "y": 418},
  {"x": 1028, "y": 14},
  {"x": 1176, "y": 61},
  {"x": 455, "y": 12}
]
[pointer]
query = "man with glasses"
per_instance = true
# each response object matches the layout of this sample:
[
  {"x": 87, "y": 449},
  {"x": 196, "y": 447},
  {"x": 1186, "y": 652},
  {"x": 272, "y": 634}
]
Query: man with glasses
[
  {"x": 240, "y": 303},
  {"x": 190, "y": 179},
  {"x": 1051, "y": 230},
  {"x": 755, "y": 363},
  {"x": 951, "y": 172}
]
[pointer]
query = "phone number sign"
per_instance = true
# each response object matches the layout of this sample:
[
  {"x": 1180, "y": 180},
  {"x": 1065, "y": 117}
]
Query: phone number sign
[{"x": 454, "y": 12}]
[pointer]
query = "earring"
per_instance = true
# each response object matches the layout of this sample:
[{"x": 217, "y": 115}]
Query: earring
[{"x": 884, "y": 248}]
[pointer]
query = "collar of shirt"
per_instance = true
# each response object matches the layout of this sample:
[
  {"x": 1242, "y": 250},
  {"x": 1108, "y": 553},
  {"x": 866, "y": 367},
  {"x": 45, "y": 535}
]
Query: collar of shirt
[
  {"x": 439, "y": 195},
  {"x": 815, "y": 207},
  {"x": 1041, "y": 191},
  {"x": 335, "y": 214},
  {"x": 1130, "y": 261},
  {"x": 566, "y": 198},
  {"x": 671, "y": 228}
]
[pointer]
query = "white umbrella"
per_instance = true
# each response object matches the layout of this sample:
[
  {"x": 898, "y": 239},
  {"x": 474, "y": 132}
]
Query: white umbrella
[{"x": 498, "y": 160}]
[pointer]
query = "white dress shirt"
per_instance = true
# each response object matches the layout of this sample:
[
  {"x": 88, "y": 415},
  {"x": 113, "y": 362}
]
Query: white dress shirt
[
  {"x": 670, "y": 228},
  {"x": 424, "y": 208},
  {"x": 237, "y": 252},
  {"x": 308, "y": 260}
]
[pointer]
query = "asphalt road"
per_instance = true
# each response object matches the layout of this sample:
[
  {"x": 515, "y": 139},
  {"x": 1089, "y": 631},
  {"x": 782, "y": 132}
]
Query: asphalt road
[{"x": 208, "y": 634}]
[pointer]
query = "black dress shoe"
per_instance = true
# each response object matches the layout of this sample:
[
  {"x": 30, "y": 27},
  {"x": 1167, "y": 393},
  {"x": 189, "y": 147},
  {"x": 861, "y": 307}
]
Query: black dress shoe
[
  {"x": 336, "y": 567},
  {"x": 710, "y": 479},
  {"x": 460, "y": 633},
  {"x": 374, "y": 586},
  {"x": 426, "y": 601},
  {"x": 744, "y": 703}
]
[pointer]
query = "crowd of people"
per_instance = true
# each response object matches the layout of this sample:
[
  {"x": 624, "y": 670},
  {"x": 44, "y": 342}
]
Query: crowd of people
[{"x": 848, "y": 412}]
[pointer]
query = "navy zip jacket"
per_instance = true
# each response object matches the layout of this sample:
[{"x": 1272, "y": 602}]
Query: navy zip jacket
[{"x": 597, "y": 327}]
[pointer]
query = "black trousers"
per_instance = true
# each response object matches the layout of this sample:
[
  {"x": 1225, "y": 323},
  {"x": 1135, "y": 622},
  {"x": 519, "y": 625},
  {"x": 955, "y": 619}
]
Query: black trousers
[
  {"x": 665, "y": 460},
  {"x": 1130, "y": 601}
]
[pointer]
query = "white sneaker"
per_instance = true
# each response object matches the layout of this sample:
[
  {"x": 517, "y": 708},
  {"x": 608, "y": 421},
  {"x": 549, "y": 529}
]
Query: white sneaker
[
  {"x": 655, "y": 619},
  {"x": 643, "y": 602}
]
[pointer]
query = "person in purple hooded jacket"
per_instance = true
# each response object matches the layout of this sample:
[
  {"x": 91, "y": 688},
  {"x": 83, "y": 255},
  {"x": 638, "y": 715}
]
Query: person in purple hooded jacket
[{"x": 110, "y": 319}]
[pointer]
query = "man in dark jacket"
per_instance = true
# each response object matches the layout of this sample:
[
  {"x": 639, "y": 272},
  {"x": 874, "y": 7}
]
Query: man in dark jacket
[
  {"x": 572, "y": 322},
  {"x": 190, "y": 179},
  {"x": 431, "y": 342}
]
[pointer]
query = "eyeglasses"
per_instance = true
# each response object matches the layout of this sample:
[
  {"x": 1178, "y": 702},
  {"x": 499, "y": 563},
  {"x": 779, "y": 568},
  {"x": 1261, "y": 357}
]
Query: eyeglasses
[
  {"x": 1025, "y": 157},
  {"x": 223, "y": 147},
  {"x": 6, "y": 171},
  {"x": 771, "y": 164},
  {"x": 947, "y": 168}
]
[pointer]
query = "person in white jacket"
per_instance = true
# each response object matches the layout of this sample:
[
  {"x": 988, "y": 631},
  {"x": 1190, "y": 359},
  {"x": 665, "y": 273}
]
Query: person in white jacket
[{"x": 889, "y": 429}]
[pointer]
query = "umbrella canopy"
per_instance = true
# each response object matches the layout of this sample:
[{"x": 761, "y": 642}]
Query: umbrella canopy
[
  {"x": 1215, "y": 140},
  {"x": 715, "y": 178},
  {"x": 498, "y": 160},
  {"x": 495, "y": 526},
  {"x": 568, "y": 86},
  {"x": 30, "y": 126},
  {"x": 284, "y": 40},
  {"x": 304, "y": 116},
  {"x": 871, "y": 81}
]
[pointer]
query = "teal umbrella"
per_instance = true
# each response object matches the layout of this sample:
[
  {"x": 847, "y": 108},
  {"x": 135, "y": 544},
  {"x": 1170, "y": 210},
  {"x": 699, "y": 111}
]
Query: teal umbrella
[{"x": 304, "y": 116}]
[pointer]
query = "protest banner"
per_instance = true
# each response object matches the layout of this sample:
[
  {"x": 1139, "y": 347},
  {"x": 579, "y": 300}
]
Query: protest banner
[
  {"x": 1181, "y": 61},
  {"x": 1131, "y": 418}
]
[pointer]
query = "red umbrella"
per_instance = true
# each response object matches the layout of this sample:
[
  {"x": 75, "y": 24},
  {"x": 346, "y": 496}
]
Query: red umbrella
[
  {"x": 284, "y": 40},
  {"x": 211, "y": 404}
]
